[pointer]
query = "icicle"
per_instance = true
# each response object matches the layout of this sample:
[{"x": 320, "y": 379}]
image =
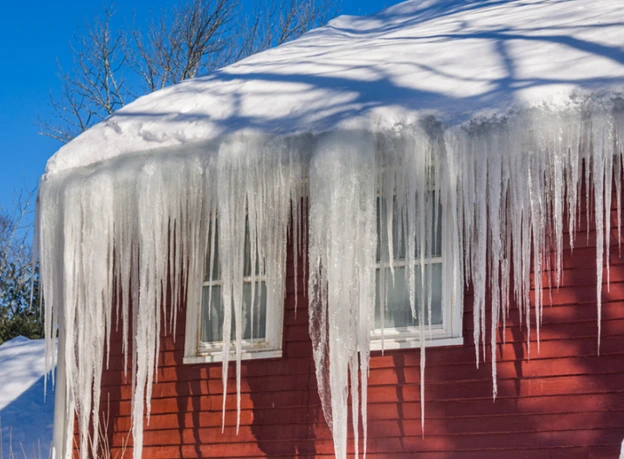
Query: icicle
[
  {"x": 258, "y": 182},
  {"x": 342, "y": 246},
  {"x": 153, "y": 217},
  {"x": 134, "y": 233}
]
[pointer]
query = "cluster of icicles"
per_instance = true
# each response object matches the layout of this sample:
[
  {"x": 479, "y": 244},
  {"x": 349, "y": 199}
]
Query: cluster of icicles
[{"x": 112, "y": 237}]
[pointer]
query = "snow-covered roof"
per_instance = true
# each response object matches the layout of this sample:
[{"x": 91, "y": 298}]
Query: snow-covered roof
[{"x": 453, "y": 59}]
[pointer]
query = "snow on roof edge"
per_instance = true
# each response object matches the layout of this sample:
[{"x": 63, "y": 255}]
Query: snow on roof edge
[
  {"x": 579, "y": 105},
  {"x": 456, "y": 60}
]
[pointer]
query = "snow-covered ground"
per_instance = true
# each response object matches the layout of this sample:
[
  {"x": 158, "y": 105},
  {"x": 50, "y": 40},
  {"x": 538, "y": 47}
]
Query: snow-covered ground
[{"x": 26, "y": 416}]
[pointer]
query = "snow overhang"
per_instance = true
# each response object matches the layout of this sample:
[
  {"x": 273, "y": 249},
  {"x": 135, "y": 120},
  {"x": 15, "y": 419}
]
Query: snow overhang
[{"x": 455, "y": 60}]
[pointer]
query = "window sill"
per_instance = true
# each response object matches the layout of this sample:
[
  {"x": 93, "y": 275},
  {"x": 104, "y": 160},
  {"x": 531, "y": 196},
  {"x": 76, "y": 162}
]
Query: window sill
[
  {"x": 245, "y": 355},
  {"x": 393, "y": 343}
]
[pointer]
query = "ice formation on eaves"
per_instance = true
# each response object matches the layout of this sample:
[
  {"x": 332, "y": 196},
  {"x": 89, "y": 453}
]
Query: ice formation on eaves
[{"x": 120, "y": 233}]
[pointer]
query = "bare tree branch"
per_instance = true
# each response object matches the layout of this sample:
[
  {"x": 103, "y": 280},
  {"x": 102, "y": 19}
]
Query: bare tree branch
[
  {"x": 95, "y": 86},
  {"x": 193, "y": 38},
  {"x": 18, "y": 278},
  {"x": 15, "y": 231},
  {"x": 274, "y": 22}
]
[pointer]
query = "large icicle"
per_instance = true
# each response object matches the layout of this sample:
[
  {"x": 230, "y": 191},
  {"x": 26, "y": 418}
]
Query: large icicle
[
  {"x": 342, "y": 246},
  {"x": 134, "y": 233},
  {"x": 256, "y": 183}
]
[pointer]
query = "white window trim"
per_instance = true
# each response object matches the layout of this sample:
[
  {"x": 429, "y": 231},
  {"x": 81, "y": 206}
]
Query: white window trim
[
  {"x": 198, "y": 351},
  {"x": 450, "y": 333},
  {"x": 245, "y": 355}
]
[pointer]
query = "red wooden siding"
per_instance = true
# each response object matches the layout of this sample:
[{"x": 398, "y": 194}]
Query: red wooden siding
[{"x": 566, "y": 402}]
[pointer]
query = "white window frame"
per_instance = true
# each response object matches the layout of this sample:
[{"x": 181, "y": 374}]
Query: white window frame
[
  {"x": 270, "y": 347},
  {"x": 447, "y": 334},
  {"x": 392, "y": 338}
]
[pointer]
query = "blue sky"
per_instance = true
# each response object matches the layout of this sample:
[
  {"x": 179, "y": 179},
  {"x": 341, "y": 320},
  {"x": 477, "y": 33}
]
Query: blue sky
[{"x": 34, "y": 35}]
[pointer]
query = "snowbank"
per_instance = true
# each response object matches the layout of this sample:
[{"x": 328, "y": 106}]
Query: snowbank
[{"x": 26, "y": 415}]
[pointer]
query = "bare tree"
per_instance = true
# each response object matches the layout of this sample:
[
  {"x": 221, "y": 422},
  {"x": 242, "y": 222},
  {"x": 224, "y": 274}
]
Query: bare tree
[
  {"x": 18, "y": 277},
  {"x": 180, "y": 45},
  {"x": 15, "y": 231},
  {"x": 95, "y": 86},
  {"x": 274, "y": 22},
  {"x": 193, "y": 38}
]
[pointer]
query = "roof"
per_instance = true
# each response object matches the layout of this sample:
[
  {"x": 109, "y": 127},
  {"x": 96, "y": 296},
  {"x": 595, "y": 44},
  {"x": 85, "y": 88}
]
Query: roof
[{"x": 456, "y": 60}]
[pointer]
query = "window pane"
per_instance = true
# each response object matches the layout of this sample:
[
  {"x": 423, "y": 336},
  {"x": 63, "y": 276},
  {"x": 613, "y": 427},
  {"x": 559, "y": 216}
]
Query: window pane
[
  {"x": 212, "y": 324},
  {"x": 437, "y": 235},
  {"x": 398, "y": 241},
  {"x": 398, "y": 231},
  {"x": 247, "y": 266},
  {"x": 398, "y": 313},
  {"x": 212, "y": 275}
]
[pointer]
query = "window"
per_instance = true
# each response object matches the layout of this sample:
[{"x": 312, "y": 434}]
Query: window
[
  {"x": 261, "y": 318},
  {"x": 395, "y": 326}
]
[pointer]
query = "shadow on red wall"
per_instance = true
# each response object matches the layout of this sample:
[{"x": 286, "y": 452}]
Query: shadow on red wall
[{"x": 565, "y": 402}]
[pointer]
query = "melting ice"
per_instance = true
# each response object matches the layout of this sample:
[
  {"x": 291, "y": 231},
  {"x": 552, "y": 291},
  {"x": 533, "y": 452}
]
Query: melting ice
[{"x": 112, "y": 237}]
